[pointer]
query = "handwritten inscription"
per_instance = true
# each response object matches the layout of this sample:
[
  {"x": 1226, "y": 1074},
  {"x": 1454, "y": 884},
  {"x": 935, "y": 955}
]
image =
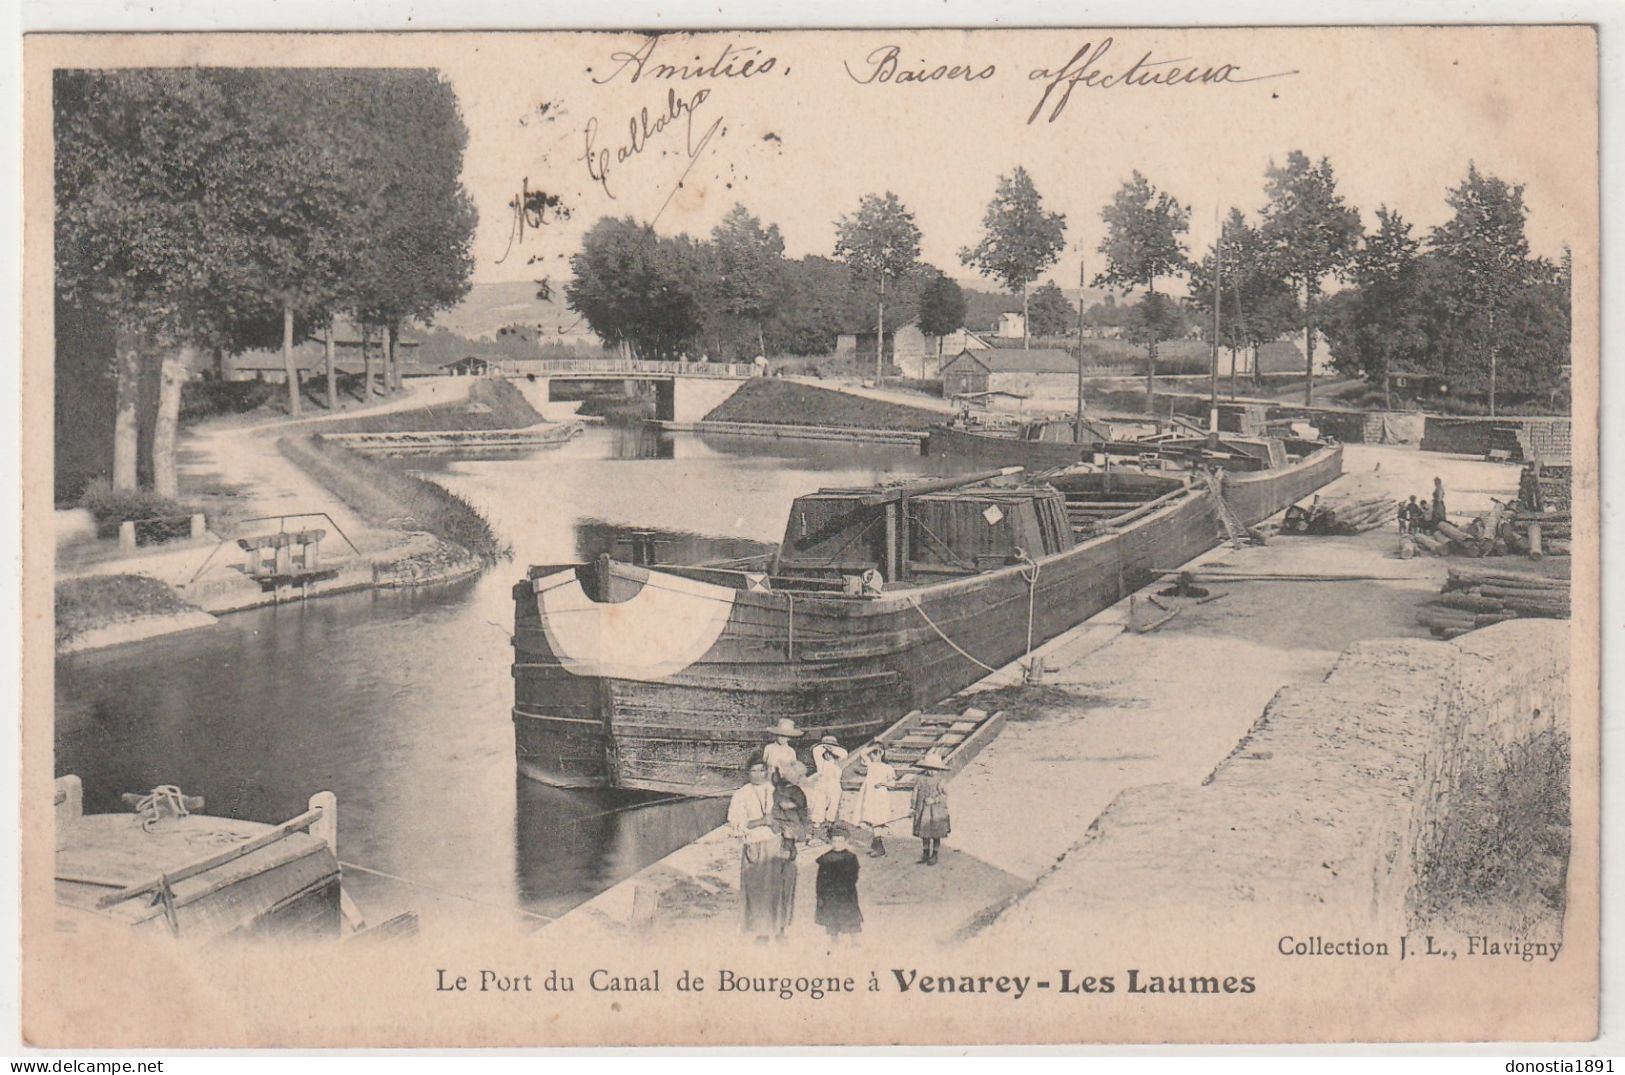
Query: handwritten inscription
[
  {"x": 1088, "y": 68},
  {"x": 745, "y": 61},
  {"x": 531, "y": 209},
  {"x": 885, "y": 65},
  {"x": 642, "y": 129}
]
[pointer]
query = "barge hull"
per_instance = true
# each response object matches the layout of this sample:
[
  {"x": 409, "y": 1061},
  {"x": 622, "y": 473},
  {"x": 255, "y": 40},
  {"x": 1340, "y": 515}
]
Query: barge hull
[{"x": 685, "y": 721}]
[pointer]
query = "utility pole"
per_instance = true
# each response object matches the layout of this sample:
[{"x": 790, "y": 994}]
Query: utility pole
[
  {"x": 1077, "y": 422},
  {"x": 1213, "y": 363}
]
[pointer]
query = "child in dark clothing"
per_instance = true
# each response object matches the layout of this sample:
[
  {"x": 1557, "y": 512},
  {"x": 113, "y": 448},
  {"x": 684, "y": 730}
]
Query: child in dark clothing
[{"x": 837, "y": 909}]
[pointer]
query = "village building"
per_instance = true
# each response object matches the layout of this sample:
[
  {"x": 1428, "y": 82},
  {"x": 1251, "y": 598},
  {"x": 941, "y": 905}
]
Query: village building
[
  {"x": 911, "y": 349},
  {"x": 1038, "y": 373}
]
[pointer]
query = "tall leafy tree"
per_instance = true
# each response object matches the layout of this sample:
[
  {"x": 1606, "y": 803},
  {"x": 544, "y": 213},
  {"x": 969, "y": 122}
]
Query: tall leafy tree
[
  {"x": 142, "y": 225},
  {"x": 1019, "y": 240},
  {"x": 1311, "y": 234},
  {"x": 639, "y": 290},
  {"x": 414, "y": 255},
  {"x": 1484, "y": 243},
  {"x": 750, "y": 269},
  {"x": 881, "y": 242},
  {"x": 1143, "y": 245},
  {"x": 1377, "y": 322},
  {"x": 1049, "y": 313},
  {"x": 1257, "y": 303},
  {"x": 220, "y": 209},
  {"x": 942, "y": 310}
]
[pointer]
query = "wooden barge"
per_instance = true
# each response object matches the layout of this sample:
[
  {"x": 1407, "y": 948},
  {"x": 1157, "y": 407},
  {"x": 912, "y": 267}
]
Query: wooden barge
[
  {"x": 166, "y": 869},
  {"x": 1037, "y": 445},
  {"x": 878, "y": 601}
]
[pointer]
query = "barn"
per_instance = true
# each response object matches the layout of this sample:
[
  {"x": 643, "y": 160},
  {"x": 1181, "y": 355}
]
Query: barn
[{"x": 1039, "y": 373}]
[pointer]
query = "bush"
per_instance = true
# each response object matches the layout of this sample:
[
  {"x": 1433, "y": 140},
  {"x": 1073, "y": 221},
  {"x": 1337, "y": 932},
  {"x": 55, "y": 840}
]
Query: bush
[
  {"x": 384, "y": 495},
  {"x": 210, "y": 396},
  {"x": 157, "y": 518}
]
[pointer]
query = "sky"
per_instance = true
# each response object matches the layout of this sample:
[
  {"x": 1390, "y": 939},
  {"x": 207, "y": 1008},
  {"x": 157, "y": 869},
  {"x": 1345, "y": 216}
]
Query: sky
[{"x": 1399, "y": 112}]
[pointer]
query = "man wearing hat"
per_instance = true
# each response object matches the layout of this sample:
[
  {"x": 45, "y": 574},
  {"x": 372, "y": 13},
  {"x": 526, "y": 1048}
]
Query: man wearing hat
[
  {"x": 825, "y": 799},
  {"x": 780, "y": 753}
]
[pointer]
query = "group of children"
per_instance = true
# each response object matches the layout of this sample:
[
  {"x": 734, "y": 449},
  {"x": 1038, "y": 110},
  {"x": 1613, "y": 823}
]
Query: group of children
[
  {"x": 805, "y": 806},
  {"x": 1416, "y": 519}
]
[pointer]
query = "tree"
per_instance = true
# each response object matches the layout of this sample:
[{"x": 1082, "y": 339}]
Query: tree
[
  {"x": 750, "y": 265},
  {"x": 415, "y": 257},
  {"x": 942, "y": 310},
  {"x": 1310, "y": 234},
  {"x": 220, "y": 209},
  {"x": 881, "y": 242},
  {"x": 138, "y": 230},
  {"x": 1049, "y": 313},
  {"x": 638, "y": 290},
  {"x": 1019, "y": 239},
  {"x": 1376, "y": 323},
  {"x": 1257, "y": 306},
  {"x": 1485, "y": 244},
  {"x": 1142, "y": 244}
]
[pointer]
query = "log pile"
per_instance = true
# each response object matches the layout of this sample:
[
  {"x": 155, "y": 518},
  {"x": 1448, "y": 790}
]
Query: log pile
[
  {"x": 1476, "y": 597},
  {"x": 1500, "y": 532},
  {"x": 1340, "y": 515}
]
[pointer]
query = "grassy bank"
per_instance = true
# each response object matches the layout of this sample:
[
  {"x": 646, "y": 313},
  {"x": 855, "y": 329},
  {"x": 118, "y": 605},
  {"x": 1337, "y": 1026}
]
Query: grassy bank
[
  {"x": 385, "y": 496},
  {"x": 491, "y": 404},
  {"x": 775, "y": 402},
  {"x": 1502, "y": 862},
  {"x": 101, "y": 600}
]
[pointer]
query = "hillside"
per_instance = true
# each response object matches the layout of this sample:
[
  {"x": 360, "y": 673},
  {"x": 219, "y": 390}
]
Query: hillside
[{"x": 491, "y": 306}]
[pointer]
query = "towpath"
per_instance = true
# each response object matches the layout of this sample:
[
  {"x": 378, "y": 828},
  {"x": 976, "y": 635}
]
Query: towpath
[
  {"x": 1116, "y": 709},
  {"x": 239, "y": 464}
]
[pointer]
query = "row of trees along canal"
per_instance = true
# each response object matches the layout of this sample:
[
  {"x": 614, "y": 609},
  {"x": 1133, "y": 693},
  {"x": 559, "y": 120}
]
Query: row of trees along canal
[
  {"x": 218, "y": 210},
  {"x": 1466, "y": 305}
]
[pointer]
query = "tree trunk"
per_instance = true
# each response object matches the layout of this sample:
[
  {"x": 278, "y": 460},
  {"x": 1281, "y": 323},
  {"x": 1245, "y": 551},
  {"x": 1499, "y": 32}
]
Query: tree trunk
[
  {"x": 1151, "y": 358},
  {"x": 1308, "y": 348},
  {"x": 288, "y": 368},
  {"x": 1025, "y": 331},
  {"x": 880, "y": 335},
  {"x": 332, "y": 369},
  {"x": 366, "y": 364},
  {"x": 127, "y": 412},
  {"x": 1493, "y": 357},
  {"x": 1387, "y": 392},
  {"x": 392, "y": 374},
  {"x": 171, "y": 374},
  {"x": 761, "y": 340}
]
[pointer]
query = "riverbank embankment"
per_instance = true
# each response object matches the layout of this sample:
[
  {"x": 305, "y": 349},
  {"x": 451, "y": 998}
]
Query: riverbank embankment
[
  {"x": 375, "y": 524},
  {"x": 1118, "y": 711}
]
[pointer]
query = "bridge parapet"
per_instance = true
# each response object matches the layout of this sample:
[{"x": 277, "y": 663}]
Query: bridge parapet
[{"x": 621, "y": 367}]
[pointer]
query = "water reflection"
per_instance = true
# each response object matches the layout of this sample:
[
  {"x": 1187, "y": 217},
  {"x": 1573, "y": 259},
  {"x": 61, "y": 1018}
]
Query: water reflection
[{"x": 399, "y": 701}]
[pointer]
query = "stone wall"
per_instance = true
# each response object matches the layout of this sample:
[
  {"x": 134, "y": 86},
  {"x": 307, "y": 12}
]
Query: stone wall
[{"x": 1338, "y": 791}]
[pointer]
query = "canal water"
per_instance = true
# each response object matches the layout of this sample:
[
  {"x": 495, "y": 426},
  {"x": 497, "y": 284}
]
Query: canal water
[{"x": 399, "y": 701}]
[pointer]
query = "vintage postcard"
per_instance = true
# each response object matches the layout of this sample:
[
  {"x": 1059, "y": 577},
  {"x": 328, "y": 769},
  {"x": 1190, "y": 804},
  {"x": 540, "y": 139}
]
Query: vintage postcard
[{"x": 759, "y": 538}]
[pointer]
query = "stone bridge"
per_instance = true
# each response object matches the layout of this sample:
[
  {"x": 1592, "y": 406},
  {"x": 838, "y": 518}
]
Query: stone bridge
[{"x": 684, "y": 391}]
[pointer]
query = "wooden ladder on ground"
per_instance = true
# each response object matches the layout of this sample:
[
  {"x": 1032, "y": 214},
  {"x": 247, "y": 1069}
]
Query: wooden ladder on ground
[
  {"x": 954, "y": 739},
  {"x": 1232, "y": 525}
]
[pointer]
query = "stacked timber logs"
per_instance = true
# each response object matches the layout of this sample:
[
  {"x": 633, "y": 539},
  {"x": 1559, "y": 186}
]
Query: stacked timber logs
[
  {"x": 1501, "y": 531},
  {"x": 1475, "y": 597},
  {"x": 1340, "y": 515}
]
